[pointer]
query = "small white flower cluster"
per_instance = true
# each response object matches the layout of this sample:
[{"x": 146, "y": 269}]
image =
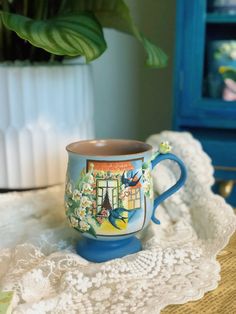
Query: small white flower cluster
[
  {"x": 84, "y": 226},
  {"x": 228, "y": 49},
  {"x": 79, "y": 220},
  {"x": 81, "y": 224},
  {"x": 74, "y": 222},
  {"x": 76, "y": 195},
  {"x": 148, "y": 183},
  {"x": 79, "y": 198},
  {"x": 68, "y": 187},
  {"x": 80, "y": 213},
  {"x": 85, "y": 202}
]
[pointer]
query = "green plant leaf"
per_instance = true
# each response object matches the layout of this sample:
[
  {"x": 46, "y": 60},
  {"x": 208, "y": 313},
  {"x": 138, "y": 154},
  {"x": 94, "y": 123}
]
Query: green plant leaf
[
  {"x": 228, "y": 73},
  {"x": 116, "y": 14},
  {"x": 71, "y": 35},
  {"x": 155, "y": 55},
  {"x": 92, "y": 231}
]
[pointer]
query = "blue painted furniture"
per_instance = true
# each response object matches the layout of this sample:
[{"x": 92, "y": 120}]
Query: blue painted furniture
[{"x": 211, "y": 120}]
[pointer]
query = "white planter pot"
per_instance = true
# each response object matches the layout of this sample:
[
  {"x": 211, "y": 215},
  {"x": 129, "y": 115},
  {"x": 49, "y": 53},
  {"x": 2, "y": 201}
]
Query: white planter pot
[{"x": 42, "y": 108}]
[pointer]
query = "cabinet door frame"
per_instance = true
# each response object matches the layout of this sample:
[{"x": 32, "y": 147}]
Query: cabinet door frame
[{"x": 193, "y": 108}]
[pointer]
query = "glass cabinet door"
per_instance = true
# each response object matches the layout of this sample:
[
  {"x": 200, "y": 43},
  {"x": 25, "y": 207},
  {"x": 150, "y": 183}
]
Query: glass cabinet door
[
  {"x": 206, "y": 58},
  {"x": 205, "y": 81},
  {"x": 219, "y": 80}
]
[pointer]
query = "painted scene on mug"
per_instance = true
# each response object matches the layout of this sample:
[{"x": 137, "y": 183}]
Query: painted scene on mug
[{"x": 108, "y": 198}]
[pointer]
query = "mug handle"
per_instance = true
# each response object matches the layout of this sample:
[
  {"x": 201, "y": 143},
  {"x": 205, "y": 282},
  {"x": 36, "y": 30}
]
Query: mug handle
[{"x": 159, "y": 199}]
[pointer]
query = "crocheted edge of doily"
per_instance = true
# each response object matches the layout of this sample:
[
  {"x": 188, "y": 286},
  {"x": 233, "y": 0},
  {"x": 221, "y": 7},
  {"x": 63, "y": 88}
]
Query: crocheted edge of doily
[
  {"x": 200, "y": 293},
  {"x": 212, "y": 285},
  {"x": 223, "y": 241}
]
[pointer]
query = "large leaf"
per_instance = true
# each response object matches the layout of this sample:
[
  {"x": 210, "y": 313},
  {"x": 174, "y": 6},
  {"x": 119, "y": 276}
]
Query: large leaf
[
  {"x": 116, "y": 14},
  {"x": 71, "y": 35}
]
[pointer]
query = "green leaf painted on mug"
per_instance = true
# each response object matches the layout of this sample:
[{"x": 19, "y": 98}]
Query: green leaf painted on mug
[{"x": 92, "y": 231}]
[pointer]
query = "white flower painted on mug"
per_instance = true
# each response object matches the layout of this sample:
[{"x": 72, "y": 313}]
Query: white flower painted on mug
[
  {"x": 146, "y": 187},
  {"x": 148, "y": 183},
  {"x": 87, "y": 188},
  {"x": 74, "y": 222},
  {"x": 68, "y": 188},
  {"x": 76, "y": 195},
  {"x": 90, "y": 179},
  {"x": 84, "y": 226},
  {"x": 148, "y": 190},
  {"x": 80, "y": 213},
  {"x": 147, "y": 175},
  {"x": 85, "y": 202}
]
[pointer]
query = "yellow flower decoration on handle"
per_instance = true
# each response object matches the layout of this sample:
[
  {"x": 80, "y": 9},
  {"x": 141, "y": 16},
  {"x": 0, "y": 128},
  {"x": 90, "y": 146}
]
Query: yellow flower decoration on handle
[{"x": 165, "y": 147}]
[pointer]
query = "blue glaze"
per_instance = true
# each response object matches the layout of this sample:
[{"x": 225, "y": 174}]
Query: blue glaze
[
  {"x": 109, "y": 199},
  {"x": 102, "y": 251},
  {"x": 138, "y": 219},
  {"x": 159, "y": 199}
]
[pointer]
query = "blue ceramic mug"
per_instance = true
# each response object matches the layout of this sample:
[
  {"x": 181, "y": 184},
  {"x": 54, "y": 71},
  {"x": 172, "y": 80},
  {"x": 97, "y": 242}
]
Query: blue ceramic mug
[{"x": 109, "y": 194}]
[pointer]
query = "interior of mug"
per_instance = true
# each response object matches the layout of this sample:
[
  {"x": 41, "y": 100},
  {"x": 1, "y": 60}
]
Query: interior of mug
[{"x": 108, "y": 147}]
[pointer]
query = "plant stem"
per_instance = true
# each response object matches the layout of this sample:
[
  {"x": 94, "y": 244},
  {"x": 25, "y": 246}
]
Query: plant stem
[
  {"x": 41, "y": 14},
  {"x": 25, "y": 7},
  {"x": 62, "y": 6},
  {"x": 40, "y": 9},
  {"x": 7, "y": 33},
  {"x": 1, "y": 41},
  {"x": 5, "y": 5},
  {"x": 52, "y": 58}
]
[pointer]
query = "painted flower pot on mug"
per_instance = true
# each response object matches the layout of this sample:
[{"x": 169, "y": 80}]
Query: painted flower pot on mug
[{"x": 109, "y": 194}]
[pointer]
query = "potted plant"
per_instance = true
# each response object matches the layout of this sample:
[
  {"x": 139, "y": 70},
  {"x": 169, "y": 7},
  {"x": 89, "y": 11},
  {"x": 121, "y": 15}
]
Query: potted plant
[{"x": 46, "y": 96}]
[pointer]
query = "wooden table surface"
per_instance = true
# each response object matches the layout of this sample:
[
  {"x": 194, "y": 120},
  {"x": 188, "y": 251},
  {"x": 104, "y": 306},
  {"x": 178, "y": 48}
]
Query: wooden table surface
[{"x": 221, "y": 300}]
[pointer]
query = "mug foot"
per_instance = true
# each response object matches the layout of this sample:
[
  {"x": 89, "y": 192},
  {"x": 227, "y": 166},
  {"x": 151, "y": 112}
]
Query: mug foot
[{"x": 101, "y": 251}]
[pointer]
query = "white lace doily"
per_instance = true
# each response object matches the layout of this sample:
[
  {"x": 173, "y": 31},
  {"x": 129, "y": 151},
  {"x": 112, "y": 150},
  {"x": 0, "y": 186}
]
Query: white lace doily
[{"x": 178, "y": 262}]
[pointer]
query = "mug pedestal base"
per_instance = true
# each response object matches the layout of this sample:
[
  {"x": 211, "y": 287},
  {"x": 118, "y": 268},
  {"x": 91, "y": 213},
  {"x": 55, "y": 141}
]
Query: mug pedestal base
[{"x": 101, "y": 251}]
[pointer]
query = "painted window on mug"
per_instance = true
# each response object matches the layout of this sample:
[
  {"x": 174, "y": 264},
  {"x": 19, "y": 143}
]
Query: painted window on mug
[
  {"x": 134, "y": 199},
  {"x": 111, "y": 188}
]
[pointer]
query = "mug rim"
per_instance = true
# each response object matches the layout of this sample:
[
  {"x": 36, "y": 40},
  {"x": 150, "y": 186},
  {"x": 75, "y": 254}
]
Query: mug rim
[{"x": 119, "y": 150}]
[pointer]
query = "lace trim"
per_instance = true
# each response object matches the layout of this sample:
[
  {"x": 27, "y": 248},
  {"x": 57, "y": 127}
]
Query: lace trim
[{"x": 178, "y": 262}]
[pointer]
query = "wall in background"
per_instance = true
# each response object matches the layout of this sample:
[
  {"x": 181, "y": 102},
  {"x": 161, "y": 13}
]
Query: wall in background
[
  {"x": 116, "y": 87},
  {"x": 133, "y": 101},
  {"x": 158, "y": 22}
]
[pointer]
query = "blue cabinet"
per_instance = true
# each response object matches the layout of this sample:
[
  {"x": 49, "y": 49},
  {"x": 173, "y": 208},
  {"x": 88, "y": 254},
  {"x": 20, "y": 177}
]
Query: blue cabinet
[{"x": 201, "y": 86}]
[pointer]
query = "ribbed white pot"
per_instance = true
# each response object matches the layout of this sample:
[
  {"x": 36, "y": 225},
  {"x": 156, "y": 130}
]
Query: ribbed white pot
[{"x": 42, "y": 108}]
